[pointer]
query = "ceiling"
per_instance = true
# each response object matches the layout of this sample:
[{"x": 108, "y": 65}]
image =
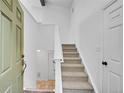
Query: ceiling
[{"x": 61, "y": 3}]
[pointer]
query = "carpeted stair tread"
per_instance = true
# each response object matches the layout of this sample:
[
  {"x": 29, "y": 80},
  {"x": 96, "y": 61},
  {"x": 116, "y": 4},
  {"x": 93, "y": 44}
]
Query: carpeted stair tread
[
  {"x": 77, "y": 85},
  {"x": 70, "y": 58},
  {"x": 74, "y": 74},
  {"x": 74, "y": 78},
  {"x": 72, "y": 65},
  {"x": 70, "y": 53}
]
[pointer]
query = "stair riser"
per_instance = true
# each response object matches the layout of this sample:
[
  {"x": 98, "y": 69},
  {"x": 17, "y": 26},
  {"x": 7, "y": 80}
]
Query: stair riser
[
  {"x": 72, "y": 59},
  {"x": 77, "y": 91},
  {"x": 74, "y": 78},
  {"x": 73, "y": 69},
  {"x": 69, "y": 47},
  {"x": 71, "y": 55},
  {"x": 65, "y": 78},
  {"x": 69, "y": 50},
  {"x": 72, "y": 62}
]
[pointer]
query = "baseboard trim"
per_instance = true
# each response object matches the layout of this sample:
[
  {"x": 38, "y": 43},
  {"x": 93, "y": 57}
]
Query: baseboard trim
[{"x": 88, "y": 72}]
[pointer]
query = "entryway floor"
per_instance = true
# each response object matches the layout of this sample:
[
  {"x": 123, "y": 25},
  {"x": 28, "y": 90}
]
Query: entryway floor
[{"x": 42, "y": 86}]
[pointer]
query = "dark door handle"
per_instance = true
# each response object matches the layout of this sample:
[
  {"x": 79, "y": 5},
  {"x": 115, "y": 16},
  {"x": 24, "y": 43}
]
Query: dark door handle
[
  {"x": 104, "y": 63},
  {"x": 22, "y": 56},
  {"x": 24, "y": 66}
]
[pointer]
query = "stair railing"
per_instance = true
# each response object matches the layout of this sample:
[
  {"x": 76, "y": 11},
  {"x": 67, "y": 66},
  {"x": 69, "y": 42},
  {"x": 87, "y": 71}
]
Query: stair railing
[{"x": 58, "y": 59}]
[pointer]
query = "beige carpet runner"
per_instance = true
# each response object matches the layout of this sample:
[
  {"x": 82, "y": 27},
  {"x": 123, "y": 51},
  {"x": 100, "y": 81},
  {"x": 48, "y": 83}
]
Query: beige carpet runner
[{"x": 74, "y": 77}]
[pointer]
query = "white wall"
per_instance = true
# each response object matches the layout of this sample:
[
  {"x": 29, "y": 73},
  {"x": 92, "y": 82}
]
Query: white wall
[
  {"x": 51, "y": 14},
  {"x": 55, "y": 15},
  {"x": 30, "y": 29},
  {"x": 90, "y": 46},
  {"x": 38, "y": 51},
  {"x": 85, "y": 32},
  {"x": 82, "y": 9},
  {"x": 45, "y": 43}
]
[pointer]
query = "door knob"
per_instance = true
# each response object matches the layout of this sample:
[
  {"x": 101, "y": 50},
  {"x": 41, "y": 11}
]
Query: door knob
[{"x": 104, "y": 63}]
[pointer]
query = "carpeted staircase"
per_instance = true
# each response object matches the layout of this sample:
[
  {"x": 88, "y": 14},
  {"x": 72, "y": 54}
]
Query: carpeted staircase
[{"x": 74, "y": 77}]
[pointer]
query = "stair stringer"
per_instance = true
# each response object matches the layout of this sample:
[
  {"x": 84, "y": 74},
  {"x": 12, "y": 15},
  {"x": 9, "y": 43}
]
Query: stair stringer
[{"x": 90, "y": 80}]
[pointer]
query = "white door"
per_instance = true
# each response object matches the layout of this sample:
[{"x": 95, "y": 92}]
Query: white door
[{"x": 112, "y": 48}]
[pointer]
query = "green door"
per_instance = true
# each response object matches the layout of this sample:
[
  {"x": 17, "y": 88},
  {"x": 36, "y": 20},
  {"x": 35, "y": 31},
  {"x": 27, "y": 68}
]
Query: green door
[{"x": 11, "y": 47}]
